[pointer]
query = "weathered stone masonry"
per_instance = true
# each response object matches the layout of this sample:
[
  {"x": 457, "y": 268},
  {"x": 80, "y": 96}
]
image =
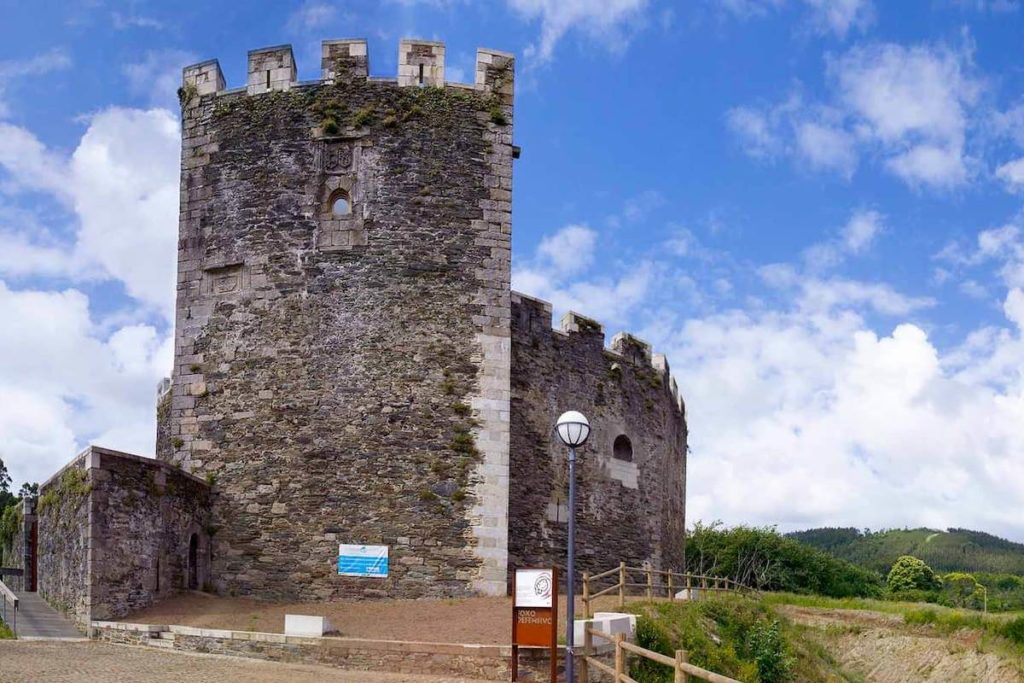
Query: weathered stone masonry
[
  {"x": 345, "y": 375},
  {"x": 115, "y": 533},
  {"x": 631, "y": 510},
  {"x": 351, "y": 365}
]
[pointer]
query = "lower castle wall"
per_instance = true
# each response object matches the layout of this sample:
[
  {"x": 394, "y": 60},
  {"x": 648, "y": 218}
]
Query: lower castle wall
[
  {"x": 115, "y": 532},
  {"x": 626, "y": 511}
]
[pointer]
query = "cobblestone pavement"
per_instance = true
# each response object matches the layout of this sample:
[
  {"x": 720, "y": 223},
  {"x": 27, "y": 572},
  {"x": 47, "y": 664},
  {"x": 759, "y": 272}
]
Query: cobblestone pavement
[{"x": 91, "y": 662}]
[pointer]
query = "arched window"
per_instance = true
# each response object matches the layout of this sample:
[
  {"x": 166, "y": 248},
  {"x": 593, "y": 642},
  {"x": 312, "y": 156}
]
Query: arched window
[
  {"x": 341, "y": 204},
  {"x": 622, "y": 449}
]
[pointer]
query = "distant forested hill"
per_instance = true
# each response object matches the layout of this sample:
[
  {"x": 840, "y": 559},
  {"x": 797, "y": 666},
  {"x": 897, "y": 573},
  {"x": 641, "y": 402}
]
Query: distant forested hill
[{"x": 944, "y": 551}]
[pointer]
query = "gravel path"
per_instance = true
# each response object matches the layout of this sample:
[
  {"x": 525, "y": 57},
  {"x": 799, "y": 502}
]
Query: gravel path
[{"x": 91, "y": 662}]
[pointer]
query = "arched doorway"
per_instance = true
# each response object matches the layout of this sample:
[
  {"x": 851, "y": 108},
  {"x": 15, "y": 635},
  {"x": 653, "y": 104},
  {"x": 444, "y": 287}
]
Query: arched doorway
[{"x": 193, "y": 562}]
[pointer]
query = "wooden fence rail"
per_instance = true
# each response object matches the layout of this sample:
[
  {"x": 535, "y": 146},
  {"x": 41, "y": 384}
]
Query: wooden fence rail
[
  {"x": 680, "y": 664},
  {"x": 9, "y": 599},
  {"x": 671, "y": 582}
]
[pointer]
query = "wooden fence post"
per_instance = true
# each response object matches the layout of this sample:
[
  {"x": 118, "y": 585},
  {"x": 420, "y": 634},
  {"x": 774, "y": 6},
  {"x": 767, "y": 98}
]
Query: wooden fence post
[
  {"x": 588, "y": 646},
  {"x": 671, "y": 591},
  {"x": 681, "y": 658},
  {"x": 650, "y": 583},
  {"x": 620, "y": 659},
  {"x": 622, "y": 584},
  {"x": 586, "y": 596}
]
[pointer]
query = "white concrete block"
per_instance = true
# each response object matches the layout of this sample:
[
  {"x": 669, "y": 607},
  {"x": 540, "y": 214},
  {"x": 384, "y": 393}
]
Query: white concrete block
[
  {"x": 304, "y": 625},
  {"x": 688, "y": 594}
]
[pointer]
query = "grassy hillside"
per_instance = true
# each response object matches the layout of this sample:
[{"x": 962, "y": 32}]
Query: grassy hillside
[
  {"x": 731, "y": 635},
  {"x": 944, "y": 551}
]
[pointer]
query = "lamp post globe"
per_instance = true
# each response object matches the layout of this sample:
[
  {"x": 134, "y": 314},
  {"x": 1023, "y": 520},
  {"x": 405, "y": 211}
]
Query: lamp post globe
[{"x": 573, "y": 430}]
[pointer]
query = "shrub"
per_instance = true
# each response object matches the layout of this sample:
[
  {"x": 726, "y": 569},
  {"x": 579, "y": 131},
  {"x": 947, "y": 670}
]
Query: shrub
[
  {"x": 910, "y": 573},
  {"x": 653, "y": 637},
  {"x": 767, "y": 646}
]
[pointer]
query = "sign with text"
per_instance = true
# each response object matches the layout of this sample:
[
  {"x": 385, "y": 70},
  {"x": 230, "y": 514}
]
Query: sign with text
[
  {"x": 363, "y": 560},
  {"x": 535, "y": 613}
]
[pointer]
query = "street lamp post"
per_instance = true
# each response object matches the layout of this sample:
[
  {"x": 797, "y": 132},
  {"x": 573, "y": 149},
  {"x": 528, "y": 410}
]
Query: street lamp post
[{"x": 573, "y": 429}]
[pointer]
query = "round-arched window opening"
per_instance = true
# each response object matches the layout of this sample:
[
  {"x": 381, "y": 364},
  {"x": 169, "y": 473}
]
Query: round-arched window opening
[
  {"x": 622, "y": 449},
  {"x": 340, "y": 204}
]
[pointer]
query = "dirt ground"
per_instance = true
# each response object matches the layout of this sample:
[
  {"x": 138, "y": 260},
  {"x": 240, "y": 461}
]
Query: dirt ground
[
  {"x": 37, "y": 661},
  {"x": 882, "y": 649},
  {"x": 485, "y": 621}
]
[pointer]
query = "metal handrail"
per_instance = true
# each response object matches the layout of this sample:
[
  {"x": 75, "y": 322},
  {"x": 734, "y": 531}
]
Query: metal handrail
[{"x": 8, "y": 595}]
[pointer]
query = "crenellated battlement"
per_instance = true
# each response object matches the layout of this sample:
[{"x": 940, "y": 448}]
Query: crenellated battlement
[
  {"x": 421, "y": 63},
  {"x": 625, "y": 346}
]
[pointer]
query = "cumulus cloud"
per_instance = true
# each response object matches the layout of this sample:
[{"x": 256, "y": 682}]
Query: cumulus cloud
[
  {"x": 807, "y": 416},
  {"x": 910, "y": 106},
  {"x": 121, "y": 183},
  {"x": 553, "y": 274},
  {"x": 62, "y": 383},
  {"x": 913, "y": 101},
  {"x": 68, "y": 378}
]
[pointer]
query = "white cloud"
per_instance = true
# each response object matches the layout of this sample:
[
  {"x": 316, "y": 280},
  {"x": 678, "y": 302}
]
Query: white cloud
[
  {"x": 1012, "y": 173},
  {"x": 825, "y": 16},
  {"x": 122, "y": 184},
  {"x": 312, "y": 15},
  {"x": 569, "y": 250},
  {"x": 757, "y": 131},
  {"x": 839, "y": 16},
  {"x": 13, "y": 70},
  {"x": 158, "y": 76},
  {"x": 861, "y": 231},
  {"x": 855, "y": 238},
  {"x": 607, "y": 22},
  {"x": 804, "y": 418},
  {"x": 827, "y": 147},
  {"x": 912, "y": 101},
  {"x": 553, "y": 275},
  {"x": 62, "y": 384},
  {"x": 910, "y": 106}
]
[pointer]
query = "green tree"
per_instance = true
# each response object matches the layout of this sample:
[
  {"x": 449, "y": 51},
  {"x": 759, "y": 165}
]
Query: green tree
[
  {"x": 28, "y": 490},
  {"x": 5, "y": 478},
  {"x": 909, "y": 573},
  {"x": 961, "y": 589}
]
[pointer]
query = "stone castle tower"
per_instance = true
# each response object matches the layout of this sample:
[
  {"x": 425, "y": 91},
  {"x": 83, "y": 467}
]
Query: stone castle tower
[{"x": 351, "y": 365}]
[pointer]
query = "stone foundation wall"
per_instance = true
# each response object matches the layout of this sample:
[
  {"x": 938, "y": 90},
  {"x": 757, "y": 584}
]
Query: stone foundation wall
[
  {"x": 114, "y": 534},
  {"x": 485, "y": 662},
  {"x": 344, "y": 376},
  {"x": 627, "y": 510}
]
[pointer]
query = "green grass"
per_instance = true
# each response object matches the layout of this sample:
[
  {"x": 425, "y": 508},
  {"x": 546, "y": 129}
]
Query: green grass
[
  {"x": 743, "y": 638},
  {"x": 5, "y": 632}
]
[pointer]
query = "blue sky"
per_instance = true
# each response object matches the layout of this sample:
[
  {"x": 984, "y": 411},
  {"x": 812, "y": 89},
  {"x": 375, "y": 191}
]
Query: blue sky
[{"x": 812, "y": 206}]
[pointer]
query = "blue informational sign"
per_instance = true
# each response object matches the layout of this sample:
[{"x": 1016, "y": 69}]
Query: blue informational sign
[{"x": 363, "y": 560}]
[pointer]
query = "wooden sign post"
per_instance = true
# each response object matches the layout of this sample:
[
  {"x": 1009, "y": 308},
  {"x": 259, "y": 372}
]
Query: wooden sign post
[{"x": 535, "y": 614}]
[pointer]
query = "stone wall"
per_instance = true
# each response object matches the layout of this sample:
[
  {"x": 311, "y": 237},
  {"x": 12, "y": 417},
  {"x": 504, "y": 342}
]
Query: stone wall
[
  {"x": 345, "y": 374},
  {"x": 115, "y": 532},
  {"x": 627, "y": 510},
  {"x": 64, "y": 533},
  {"x": 483, "y": 662}
]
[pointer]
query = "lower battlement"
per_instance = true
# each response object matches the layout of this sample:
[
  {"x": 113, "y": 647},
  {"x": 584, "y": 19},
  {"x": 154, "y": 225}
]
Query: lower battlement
[
  {"x": 536, "y": 315},
  {"x": 421, "y": 63}
]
